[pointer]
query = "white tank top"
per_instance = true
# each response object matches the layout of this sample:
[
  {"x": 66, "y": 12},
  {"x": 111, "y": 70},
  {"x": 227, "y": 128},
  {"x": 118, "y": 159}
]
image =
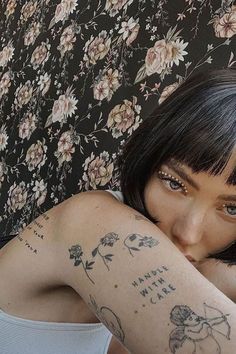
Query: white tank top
[{"x": 23, "y": 336}]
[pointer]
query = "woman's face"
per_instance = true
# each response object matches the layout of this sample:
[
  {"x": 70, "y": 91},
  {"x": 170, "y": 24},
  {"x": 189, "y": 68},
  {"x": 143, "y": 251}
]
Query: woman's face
[{"x": 196, "y": 211}]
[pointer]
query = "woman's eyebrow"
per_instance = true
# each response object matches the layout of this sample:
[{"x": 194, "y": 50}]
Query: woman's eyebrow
[
  {"x": 231, "y": 198},
  {"x": 179, "y": 171}
]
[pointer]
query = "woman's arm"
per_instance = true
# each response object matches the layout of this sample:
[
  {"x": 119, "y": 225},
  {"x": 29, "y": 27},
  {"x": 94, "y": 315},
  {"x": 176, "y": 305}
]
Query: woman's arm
[
  {"x": 132, "y": 277},
  {"x": 221, "y": 275}
]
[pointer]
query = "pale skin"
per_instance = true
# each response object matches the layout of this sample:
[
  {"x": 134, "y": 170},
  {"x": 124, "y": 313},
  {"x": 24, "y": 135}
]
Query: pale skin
[
  {"x": 43, "y": 238},
  {"x": 197, "y": 212},
  {"x": 195, "y": 218},
  {"x": 68, "y": 278}
]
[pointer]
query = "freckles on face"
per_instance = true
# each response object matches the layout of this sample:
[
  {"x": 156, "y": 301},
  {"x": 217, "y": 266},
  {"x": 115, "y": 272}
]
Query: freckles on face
[{"x": 190, "y": 209}]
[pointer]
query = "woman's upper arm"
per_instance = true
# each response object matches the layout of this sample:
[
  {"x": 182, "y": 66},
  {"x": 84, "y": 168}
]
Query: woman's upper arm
[{"x": 133, "y": 278}]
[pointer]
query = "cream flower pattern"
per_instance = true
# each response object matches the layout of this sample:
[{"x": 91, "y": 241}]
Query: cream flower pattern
[
  {"x": 225, "y": 26},
  {"x": 17, "y": 197},
  {"x": 63, "y": 107},
  {"x": 23, "y": 94},
  {"x": 65, "y": 148},
  {"x": 167, "y": 91},
  {"x": 3, "y": 138},
  {"x": 36, "y": 155},
  {"x": 32, "y": 34},
  {"x": 67, "y": 40},
  {"x": 77, "y": 79},
  {"x": 106, "y": 87},
  {"x": 27, "y": 126},
  {"x": 10, "y": 9},
  {"x": 6, "y": 54},
  {"x": 124, "y": 117},
  {"x": 97, "y": 48},
  {"x": 40, "y": 55},
  {"x": 5, "y": 83}
]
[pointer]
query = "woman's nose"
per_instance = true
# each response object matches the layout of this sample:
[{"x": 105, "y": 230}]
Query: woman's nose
[{"x": 187, "y": 228}]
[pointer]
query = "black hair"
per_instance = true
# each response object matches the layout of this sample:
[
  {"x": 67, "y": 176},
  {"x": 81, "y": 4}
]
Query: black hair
[{"x": 195, "y": 125}]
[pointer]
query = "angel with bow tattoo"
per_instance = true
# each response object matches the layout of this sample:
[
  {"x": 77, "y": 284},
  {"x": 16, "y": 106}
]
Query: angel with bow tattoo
[{"x": 196, "y": 334}]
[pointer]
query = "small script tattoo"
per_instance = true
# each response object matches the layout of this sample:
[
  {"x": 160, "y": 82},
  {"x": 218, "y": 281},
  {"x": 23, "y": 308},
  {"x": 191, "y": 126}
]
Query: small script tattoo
[
  {"x": 36, "y": 227},
  {"x": 26, "y": 244},
  {"x": 153, "y": 285},
  {"x": 76, "y": 253},
  {"x": 195, "y": 331},
  {"x": 109, "y": 318},
  {"x": 105, "y": 242},
  {"x": 134, "y": 242}
]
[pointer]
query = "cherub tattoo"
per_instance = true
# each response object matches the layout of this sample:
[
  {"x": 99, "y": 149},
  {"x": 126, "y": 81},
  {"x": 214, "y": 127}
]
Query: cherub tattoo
[
  {"x": 198, "y": 330},
  {"x": 107, "y": 241},
  {"x": 108, "y": 317},
  {"x": 135, "y": 241},
  {"x": 76, "y": 253}
]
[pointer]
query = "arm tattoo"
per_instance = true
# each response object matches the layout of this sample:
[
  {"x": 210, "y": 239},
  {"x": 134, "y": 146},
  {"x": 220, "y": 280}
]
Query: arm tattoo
[
  {"x": 195, "y": 330},
  {"x": 154, "y": 285},
  {"x": 76, "y": 253},
  {"x": 107, "y": 241},
  {"x": 109, "y": 318},
  {"x": 36, "y": 227},
  {"x": 134, "y": 242}
]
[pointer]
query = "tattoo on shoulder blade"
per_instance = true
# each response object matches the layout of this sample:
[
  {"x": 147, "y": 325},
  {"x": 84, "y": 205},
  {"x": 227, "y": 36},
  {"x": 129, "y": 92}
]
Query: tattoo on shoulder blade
[
  {"x": 135, "y": 241},
  {"x": 76, "y": 253},
  {"x": 198, "y": 331},
  {"x": 105, "y": 242},
  {"x": 109, "y": 318}
]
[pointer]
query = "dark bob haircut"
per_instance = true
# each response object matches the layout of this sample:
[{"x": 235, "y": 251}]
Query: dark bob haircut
[{"x": 195, "y": 125}]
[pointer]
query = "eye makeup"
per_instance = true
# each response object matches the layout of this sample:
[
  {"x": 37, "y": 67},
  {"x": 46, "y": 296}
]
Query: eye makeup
[
  {"x": 167, "y": 176},
  {"x": 230, "y": 205}
]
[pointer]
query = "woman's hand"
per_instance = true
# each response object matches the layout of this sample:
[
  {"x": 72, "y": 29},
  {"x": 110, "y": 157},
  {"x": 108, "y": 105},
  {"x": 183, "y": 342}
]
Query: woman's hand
[{"x": 221, "y": 275}]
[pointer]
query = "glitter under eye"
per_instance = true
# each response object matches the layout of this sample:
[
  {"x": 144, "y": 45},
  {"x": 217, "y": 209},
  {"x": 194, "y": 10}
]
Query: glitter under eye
[
  {"x": 172, "y": 178},
  {"x": 228, "y": 206}
]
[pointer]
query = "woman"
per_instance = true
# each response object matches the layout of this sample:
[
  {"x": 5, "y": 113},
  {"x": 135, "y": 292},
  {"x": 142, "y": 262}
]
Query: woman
[{"x": 131, "y": 264}]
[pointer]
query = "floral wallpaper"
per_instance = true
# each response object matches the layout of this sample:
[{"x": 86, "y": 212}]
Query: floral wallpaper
[{"x": 77, "y": 78}]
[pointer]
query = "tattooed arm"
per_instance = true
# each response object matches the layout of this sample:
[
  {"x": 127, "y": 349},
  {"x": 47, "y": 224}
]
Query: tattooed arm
[{"x": 137, "y": 282}]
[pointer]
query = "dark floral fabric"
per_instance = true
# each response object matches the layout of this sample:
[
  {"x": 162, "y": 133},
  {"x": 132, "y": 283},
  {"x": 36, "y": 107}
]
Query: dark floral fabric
[{"x": 77, "y": 78}]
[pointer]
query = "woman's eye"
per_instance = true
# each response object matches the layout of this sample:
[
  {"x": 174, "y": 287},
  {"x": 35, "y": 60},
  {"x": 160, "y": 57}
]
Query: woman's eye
[
  {"x": 174, "y": 185},
  {"x": 230, "y": 209}
]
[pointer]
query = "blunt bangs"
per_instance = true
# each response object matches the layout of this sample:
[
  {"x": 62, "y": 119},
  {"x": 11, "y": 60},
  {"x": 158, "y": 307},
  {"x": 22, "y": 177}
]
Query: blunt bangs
[
  {"x": 206, "y": 138},
  {"x": 195, "y": 125}
]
